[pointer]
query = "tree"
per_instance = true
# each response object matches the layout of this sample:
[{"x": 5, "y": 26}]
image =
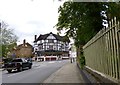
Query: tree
[
  {"x": 7, "y": 39},
  {"x": 113, "y": 10},
  {"x": 83, "y": 20},
  {"x": 7, "y": 35},
  {"x": 77, "y": 16}
]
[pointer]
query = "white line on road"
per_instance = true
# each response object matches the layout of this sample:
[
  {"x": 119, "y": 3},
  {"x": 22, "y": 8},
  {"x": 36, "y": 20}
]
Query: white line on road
[{"x": 52, "y": 62}]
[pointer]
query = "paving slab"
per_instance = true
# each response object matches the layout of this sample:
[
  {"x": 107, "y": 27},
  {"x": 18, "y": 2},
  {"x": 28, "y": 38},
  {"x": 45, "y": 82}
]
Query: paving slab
[{"x": 66, "y": 74}]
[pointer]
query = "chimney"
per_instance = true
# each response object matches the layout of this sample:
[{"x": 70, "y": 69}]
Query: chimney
[
  {"x": 24, "y": 41},
  {"x": 35, "y": 37}
]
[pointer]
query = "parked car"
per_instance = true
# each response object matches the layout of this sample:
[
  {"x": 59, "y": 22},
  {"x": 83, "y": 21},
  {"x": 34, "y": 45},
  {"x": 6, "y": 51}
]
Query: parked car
[
  {"x": 5, "y": 60},
  {"x": 18, "y": 64}
]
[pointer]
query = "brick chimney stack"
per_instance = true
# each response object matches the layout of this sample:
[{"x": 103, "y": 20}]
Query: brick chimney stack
[{"x": 24, "y": 41}]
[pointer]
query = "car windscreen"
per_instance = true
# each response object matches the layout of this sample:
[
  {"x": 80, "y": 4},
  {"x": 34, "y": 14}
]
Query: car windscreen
[{"x": 17, "y": 60}]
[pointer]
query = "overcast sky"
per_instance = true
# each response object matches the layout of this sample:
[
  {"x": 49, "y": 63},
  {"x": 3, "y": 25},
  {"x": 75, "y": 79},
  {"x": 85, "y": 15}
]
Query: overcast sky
[{"x": 30, "y": 17}]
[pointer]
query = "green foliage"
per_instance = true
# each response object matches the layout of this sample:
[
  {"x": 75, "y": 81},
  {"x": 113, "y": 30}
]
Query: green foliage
[
  {"x": 7, "y": 48},
  {"x": 76, "y": 19},
  {"x": 7, "y": 35},
  {"x": 7, "y": 39},
  {"x": 113, "y": 10},
  {"x": 82, "y": 61},
  {"x": 83, "y": 20}
]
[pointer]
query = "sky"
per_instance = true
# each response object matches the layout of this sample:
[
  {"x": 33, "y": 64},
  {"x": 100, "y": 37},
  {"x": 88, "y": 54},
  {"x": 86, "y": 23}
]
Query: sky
[{"x": 30, "y": 17}]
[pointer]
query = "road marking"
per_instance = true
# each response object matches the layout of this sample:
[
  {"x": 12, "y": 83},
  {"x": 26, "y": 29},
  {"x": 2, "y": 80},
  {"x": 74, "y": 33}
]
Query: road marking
[{"x": 52, "y": 62}]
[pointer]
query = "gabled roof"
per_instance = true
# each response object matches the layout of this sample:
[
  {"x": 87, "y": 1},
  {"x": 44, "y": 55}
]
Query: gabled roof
[
  {"x": 58, "y": 37},
  {"x": 22, "y": 45},
  {"x": 27, "y": 44}
]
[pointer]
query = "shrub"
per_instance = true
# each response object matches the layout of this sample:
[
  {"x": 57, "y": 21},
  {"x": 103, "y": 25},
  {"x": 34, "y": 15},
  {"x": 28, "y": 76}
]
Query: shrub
[{"x": 82, "y": 61}]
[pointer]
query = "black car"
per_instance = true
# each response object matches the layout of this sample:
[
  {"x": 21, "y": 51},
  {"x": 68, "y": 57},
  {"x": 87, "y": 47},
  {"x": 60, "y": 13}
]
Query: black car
[{"x": 18, "y": 64}]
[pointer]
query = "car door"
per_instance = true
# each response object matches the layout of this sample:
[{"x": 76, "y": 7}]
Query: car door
[{"x": 29, "y": 61}]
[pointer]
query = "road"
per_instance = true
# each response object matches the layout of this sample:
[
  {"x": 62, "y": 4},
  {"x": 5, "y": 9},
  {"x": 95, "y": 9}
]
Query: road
[{"x": 39, "y": 72}]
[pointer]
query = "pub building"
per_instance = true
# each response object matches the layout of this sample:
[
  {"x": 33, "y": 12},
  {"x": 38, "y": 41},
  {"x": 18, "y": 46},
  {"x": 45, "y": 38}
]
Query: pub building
[{"x": 51, "y": 46}]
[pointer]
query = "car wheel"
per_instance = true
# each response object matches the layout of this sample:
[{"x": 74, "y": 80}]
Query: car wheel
[
  {"x": 30, "y": 67},
  {"x": 20, "y": 69},
  {"x": 9, "y": 71}
]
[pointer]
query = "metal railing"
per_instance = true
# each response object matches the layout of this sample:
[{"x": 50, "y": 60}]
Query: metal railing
[{"x": 102, "y": 52}]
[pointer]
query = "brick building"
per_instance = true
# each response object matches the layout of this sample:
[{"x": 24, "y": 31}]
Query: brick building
[{"x": 22, "y": 50}]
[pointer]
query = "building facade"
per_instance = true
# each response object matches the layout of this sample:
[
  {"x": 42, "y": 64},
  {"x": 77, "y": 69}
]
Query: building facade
[
  {"x": 22, "y": 50},
  {"x": 51, "y": 47}
]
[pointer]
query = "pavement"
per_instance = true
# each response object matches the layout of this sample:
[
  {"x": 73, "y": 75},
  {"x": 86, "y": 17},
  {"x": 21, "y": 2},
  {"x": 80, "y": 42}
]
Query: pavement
[{"x": 69, "y": 73}]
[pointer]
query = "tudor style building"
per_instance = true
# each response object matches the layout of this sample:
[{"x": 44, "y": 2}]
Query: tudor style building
[{"x": 51, "y": 46}]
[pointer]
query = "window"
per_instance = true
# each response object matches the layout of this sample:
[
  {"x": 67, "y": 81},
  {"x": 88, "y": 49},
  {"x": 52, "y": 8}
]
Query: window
[
  {"x": 55, "y": 40},
  {"x": 51, "y": 47},
  {"x": 55, "y": 47},
  {"x": 47, "y": 47},
  {"x": 38, "y": 42},
  {"x": 42, "y": 41},
  {"x": 17, "y": 60},
  {"x": 36, "y": 49},
  {"x": 46, "y": 40},
  {"x": 40, "y": 47},
  {"x": 51, "y": 41}
]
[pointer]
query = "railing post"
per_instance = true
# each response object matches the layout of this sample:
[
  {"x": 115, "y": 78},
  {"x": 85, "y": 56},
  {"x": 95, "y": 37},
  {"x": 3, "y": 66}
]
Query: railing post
[
  {"x": 118, "y": 33},
  {"x": 102, "y": 52}
]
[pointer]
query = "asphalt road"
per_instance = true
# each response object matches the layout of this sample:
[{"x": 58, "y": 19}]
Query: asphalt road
[{"x": 39, "y": 72}]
